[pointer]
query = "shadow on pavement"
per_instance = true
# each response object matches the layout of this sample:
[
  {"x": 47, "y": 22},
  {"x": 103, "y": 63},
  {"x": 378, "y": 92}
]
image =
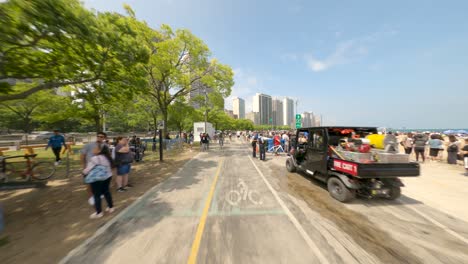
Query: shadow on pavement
[{"x": 148, "y": 212}]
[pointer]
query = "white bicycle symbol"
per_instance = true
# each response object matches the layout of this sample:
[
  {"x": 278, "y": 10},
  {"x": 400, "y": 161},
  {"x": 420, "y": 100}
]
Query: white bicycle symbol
[{"x": 235, "y": 197}]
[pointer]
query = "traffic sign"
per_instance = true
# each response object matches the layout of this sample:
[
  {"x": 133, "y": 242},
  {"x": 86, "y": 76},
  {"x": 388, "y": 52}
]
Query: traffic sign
[{"x": 160, "y": 124}]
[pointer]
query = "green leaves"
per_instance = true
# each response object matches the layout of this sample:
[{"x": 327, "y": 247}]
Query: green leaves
[
  {"x": 105, "y": 61},
  {"x": 59, "y": 43}
]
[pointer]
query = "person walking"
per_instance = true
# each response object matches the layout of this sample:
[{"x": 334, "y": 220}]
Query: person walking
[
  {"x": 204, "y": 142},
  {"x": 276, "y": 143},
  {"x": 254, "y": 145},
  {"x": 420, "y": 142},
  {"x": 100, "y": 187},
  {"x": 56, "y": 142},
  {"x": 286, "y": 142},
  {"x": 407, "y": 143},
  {"x": 434, "y": 146},
  {"x": 123, "y": 160},
  {"x": 87, "y": 152},
  {"x": 190, "y": 140},
  {"x": 452, "y": 150},
  {"x": 465, "y": 156},
  {"x": 262, "y": 147}
]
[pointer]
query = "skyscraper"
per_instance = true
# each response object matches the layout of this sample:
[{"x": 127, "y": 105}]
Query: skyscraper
[
  {"x": 277, "y": 112},
  {"x": 254, "y": 117},
  {"x": 288, "y": 112},
  {"x": 238, "y": 106},
  {"x": 196, "y": 96},
  {"x": 262, "y": 105},
  {"x": 308, "y": 119}
]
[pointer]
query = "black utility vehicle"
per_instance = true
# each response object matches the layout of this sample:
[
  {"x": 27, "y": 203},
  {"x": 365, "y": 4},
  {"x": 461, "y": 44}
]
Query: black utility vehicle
[{"x": 315, "y": 153}]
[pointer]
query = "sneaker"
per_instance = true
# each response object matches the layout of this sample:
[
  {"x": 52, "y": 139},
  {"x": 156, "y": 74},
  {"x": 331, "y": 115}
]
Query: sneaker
[
  {"x": 56, "y": 163},
  {"x": 91, "y": 200},
  {"x": 96, "y": 215},
  {"x": 121, "y": 190},
  {"x": 109, "y": 210},
  {"x": 102, "y": 196}
]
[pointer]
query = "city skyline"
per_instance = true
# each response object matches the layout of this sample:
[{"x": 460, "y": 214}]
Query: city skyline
[
  {"x": 272, "y": 110},
  {"x": 376, "y": 53}
]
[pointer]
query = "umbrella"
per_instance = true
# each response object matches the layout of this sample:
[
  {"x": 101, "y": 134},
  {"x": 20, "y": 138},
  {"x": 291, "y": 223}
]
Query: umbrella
[
  {"x": 462, "y": 131},
  {"x": 448, "y": 132}
]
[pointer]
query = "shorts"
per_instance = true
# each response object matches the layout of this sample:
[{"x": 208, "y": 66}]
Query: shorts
[
  {"x": 419, "y": 150},
  {"x": 123, "y": 169},
  {"x": 434, "y": 152}
]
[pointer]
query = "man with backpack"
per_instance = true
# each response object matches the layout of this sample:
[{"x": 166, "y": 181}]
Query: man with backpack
[
  {"x": 261, "y": 147},
  {"x": 254, "y": 145}
]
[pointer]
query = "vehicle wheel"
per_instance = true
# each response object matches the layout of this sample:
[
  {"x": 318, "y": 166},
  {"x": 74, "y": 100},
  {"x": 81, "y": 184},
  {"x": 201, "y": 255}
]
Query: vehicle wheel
[
  {"x": 395, "y": 193},
  {"x": 10, "y": 174},
  {"x": 43, "y": 170},
  {"x": 339, "y": 191},
  {"x": 290, "y": 166}
]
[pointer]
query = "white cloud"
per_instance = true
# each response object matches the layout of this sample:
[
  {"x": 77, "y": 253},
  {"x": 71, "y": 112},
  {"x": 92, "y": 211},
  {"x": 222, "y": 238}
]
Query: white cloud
[
  {"x": 342, "y": 54},
  {"x": 346, "y": 51}
]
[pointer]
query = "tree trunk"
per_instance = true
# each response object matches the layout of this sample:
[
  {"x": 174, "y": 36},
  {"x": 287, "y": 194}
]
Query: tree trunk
[
  {"x": 165, "y": 118},
  {"x": 97, "y": 123}
]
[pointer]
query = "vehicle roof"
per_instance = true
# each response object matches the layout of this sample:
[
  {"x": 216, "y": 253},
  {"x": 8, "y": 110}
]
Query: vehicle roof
[{"x": 327, "y": 127}]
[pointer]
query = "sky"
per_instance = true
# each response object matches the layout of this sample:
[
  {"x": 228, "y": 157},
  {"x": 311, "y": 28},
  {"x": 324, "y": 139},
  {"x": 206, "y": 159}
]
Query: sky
[{"x": 362, "y": 63}]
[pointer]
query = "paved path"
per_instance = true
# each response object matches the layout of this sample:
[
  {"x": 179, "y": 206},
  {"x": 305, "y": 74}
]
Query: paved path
[
  {"x": 219, "y": 208},
  {"x": 225, "y": 207}
]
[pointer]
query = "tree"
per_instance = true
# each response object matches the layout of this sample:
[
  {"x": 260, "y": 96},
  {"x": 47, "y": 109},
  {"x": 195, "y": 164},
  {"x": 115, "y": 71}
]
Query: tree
[
  {"x": 57, "y": 43},
  {"x": 29, "y": 113},
  {"x": 179, "y": 64},
  {"x": 181, "y": 116}
]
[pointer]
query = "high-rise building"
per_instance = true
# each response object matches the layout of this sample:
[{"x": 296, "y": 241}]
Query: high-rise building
[
  {"x": 288, "y": 112},
  {"x": 196, "y": 96},
  {"x": 277, "y": 112},
  {"x": 254, "y": 117},
  {"x": 230, "y": 113},
  {"x": 262, "y": 105},
  {"x": 308, "y": 119},
  {"x": 238, "y": 107}
]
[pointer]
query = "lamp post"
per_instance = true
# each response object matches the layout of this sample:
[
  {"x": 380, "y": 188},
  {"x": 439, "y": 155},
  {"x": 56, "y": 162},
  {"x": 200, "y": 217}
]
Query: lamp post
[{"x": 206, "y": 106}]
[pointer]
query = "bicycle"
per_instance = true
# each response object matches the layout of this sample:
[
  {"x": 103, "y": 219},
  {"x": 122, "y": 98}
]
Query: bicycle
[{"x": 34, "y": 170}]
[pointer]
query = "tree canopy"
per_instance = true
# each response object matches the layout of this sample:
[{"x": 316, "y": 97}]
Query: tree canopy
[{"x": 108, "y": 67}]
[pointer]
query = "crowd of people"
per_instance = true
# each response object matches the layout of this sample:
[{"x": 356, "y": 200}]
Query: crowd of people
[
  {"x": 432, "y": 146},
  {"x": 102, "y": 159}
]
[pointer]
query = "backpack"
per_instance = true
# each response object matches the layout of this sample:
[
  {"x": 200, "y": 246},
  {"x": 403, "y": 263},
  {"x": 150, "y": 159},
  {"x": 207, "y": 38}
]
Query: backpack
[{"x": 261, "y": 140}]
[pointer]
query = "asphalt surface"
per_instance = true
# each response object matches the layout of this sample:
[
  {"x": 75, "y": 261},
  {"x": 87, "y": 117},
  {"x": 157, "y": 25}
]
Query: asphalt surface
[{"x": 225, "y": 207}]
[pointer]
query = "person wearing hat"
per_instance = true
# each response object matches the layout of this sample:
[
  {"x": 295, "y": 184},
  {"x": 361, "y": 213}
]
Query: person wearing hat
[{"x": 56, "y": 142}]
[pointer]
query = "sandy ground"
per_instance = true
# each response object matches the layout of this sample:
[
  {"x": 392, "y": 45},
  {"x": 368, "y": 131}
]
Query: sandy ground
[
  {"x": 43, "y": 225},
  {"x": 428, "y": 224}
]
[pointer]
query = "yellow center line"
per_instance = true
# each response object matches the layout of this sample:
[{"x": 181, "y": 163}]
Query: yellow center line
[{"x": 201, "y": 226}]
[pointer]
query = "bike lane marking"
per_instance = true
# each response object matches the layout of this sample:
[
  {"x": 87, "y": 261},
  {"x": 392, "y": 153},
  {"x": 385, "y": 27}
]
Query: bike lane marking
[
  {"x": 292, "y": 218},
  {"x": 122, "y": 215},
  {"x": 201, "y": 226}
]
